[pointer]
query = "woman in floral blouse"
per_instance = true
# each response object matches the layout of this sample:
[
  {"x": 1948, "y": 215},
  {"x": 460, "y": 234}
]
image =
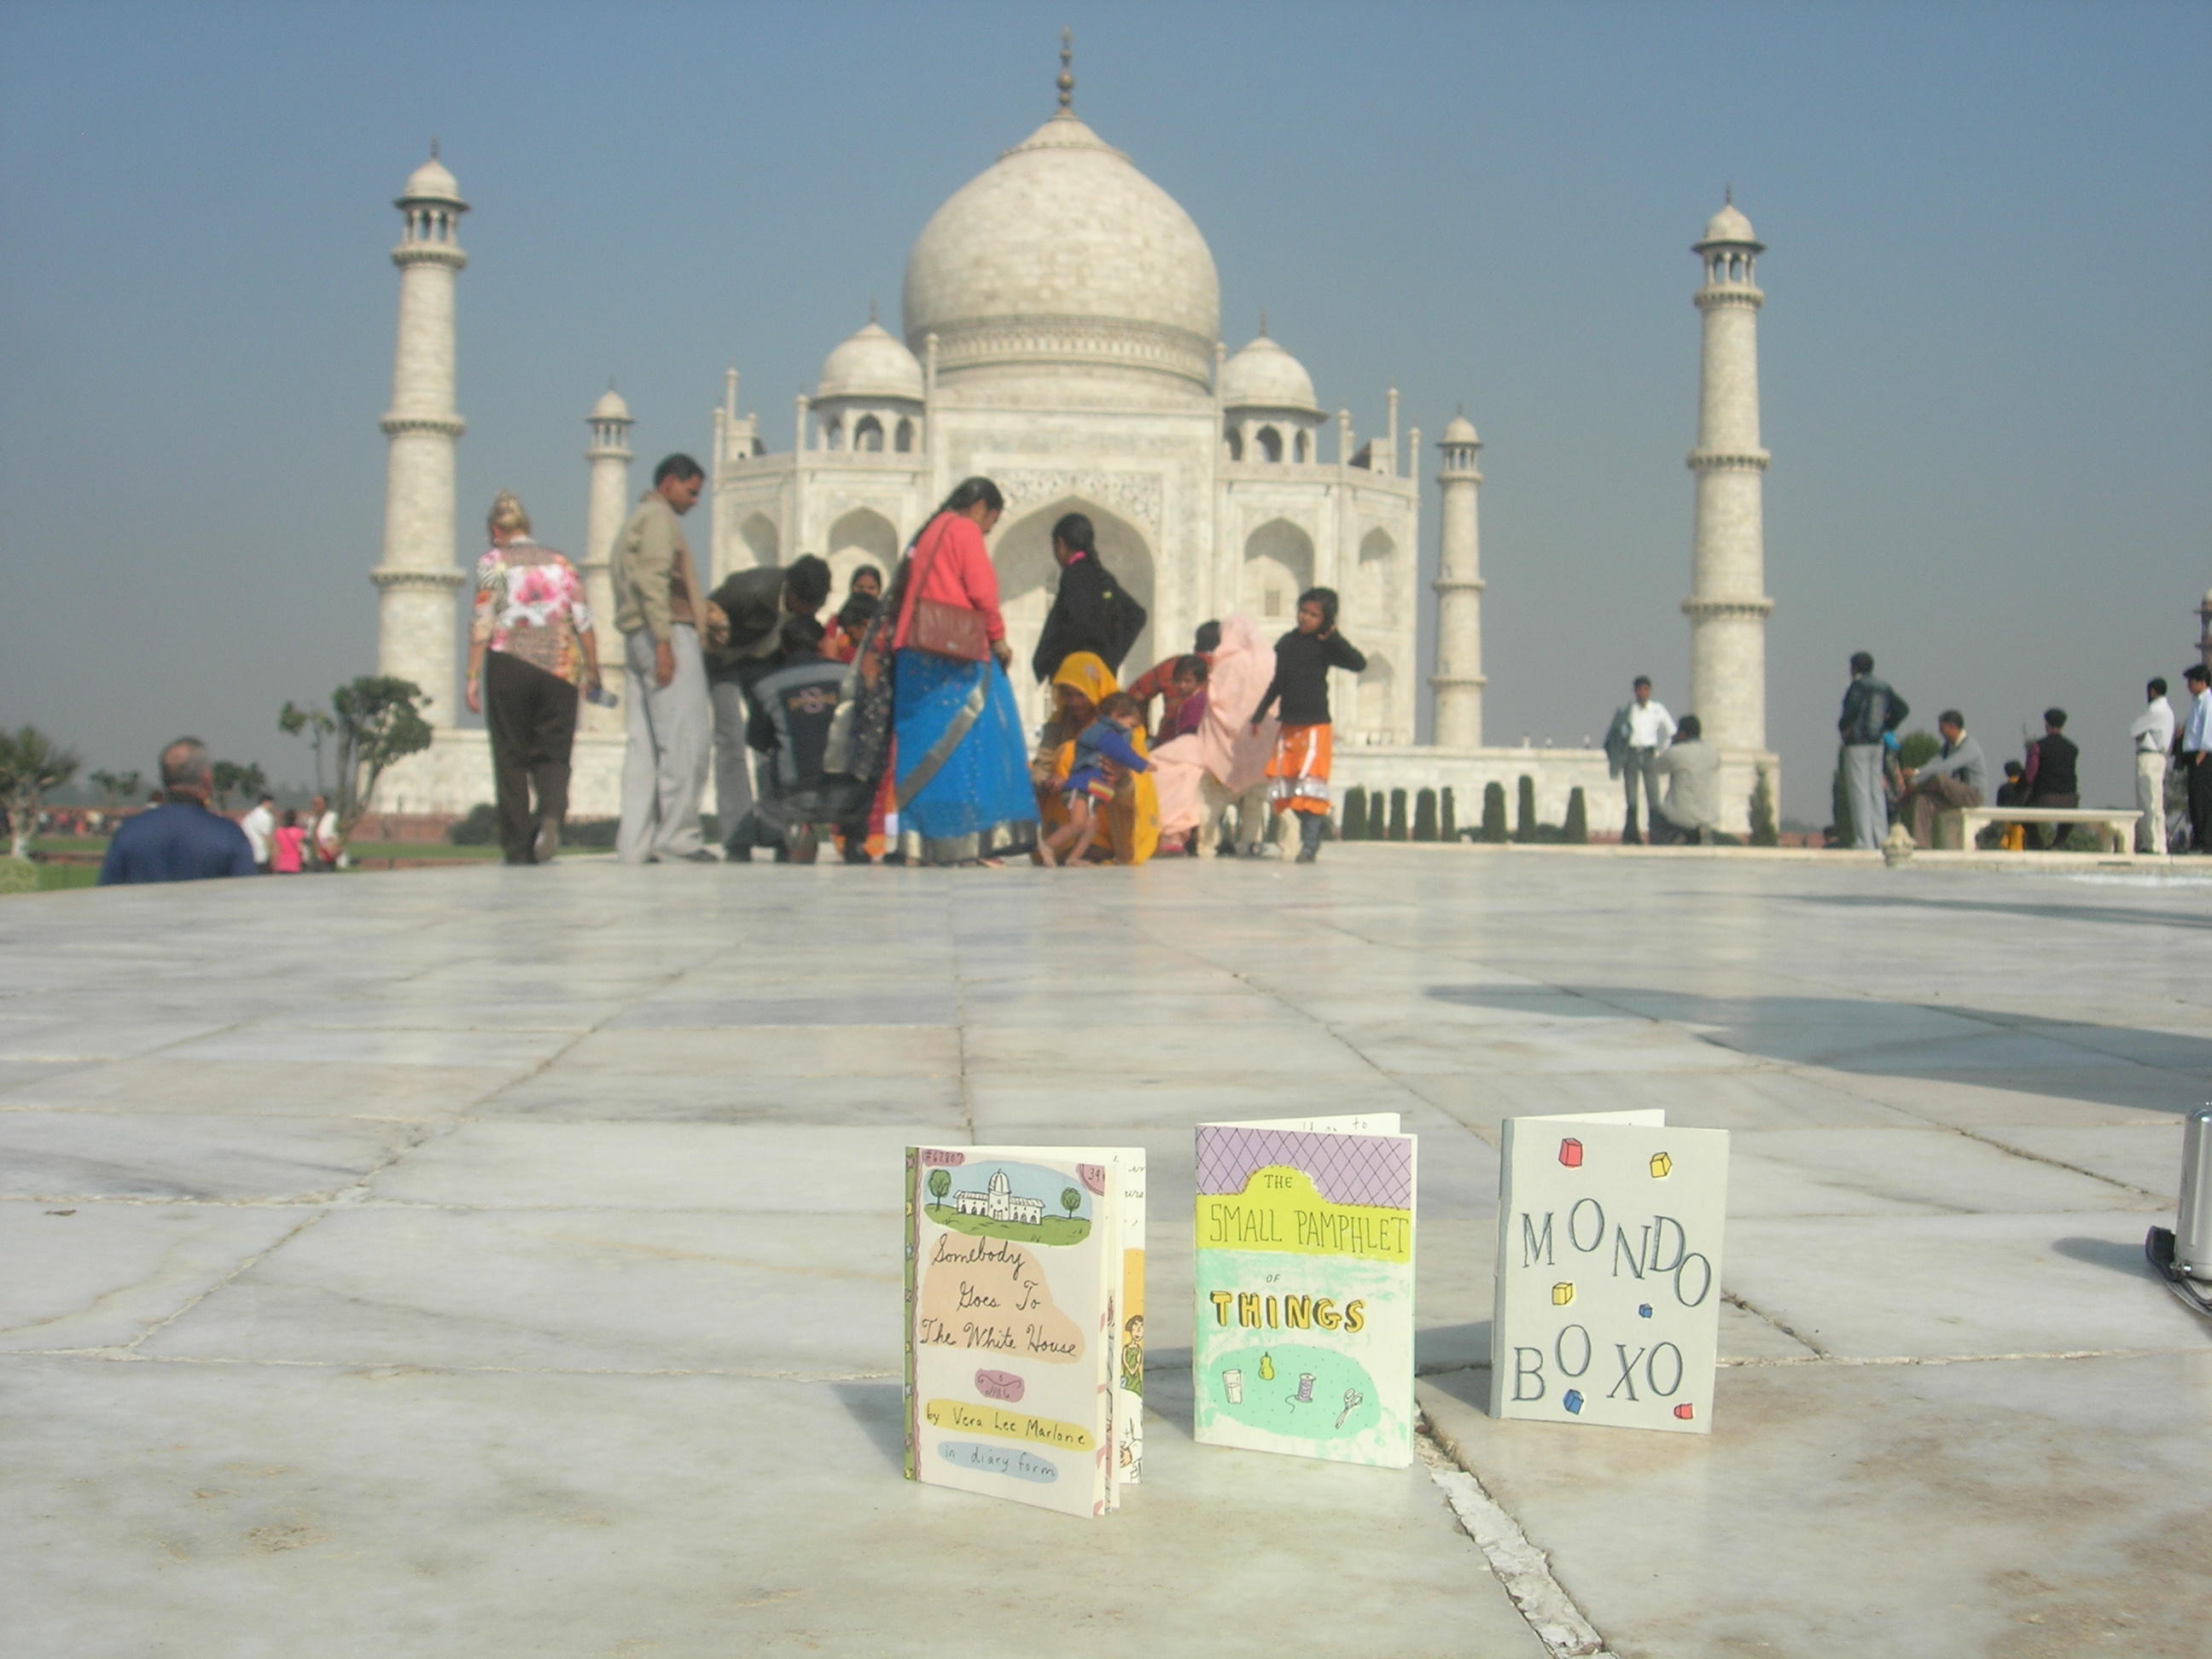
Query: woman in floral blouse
[{"x": 530, "y": 648}]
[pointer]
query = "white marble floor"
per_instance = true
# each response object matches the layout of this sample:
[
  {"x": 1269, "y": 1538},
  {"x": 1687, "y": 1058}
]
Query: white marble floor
[{"x": 486, "y": 1261}]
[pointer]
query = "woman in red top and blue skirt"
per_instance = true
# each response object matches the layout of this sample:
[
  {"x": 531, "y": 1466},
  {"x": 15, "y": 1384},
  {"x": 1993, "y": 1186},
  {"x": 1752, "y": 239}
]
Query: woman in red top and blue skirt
[{"x": 961, "y": 770}]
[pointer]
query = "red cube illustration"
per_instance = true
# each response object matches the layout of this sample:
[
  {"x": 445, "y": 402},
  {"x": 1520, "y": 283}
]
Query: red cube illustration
[{"x": 1571, "y": 1153}]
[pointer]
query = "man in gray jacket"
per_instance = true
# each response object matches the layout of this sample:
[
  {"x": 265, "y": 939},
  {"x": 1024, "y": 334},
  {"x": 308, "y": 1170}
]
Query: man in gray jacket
[
  {"x": 1958, "y": 776},
  {"x": 1871, "y": 712},
  {"x": 658, "y": 606},
  {"x": 1692, "y": 767}
]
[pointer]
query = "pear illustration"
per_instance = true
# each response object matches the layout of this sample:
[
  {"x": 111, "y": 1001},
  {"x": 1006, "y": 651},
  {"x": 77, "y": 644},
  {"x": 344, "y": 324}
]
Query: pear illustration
[{"x": 1267, "y": 1367}]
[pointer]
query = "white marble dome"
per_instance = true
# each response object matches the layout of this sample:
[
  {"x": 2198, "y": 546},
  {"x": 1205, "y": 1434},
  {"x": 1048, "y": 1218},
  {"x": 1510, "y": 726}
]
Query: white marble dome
[
  {"x": 1728, "y": 225},
  {"x": 431, "y": 182},
  {"x": 871, "y": 364},
  {"x": 1265, "y": 376},
  {"x": 1459, "y": 430},
  {"x": 610, "y": 406},
  {"x": 1061, "y": 252}
]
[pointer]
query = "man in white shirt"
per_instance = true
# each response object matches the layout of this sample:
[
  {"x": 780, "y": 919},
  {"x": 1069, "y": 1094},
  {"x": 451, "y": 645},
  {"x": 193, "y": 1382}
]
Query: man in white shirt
[
  {"x": 1640, "y": 729},
  {"x": 2197, "y": 755},
  {"x": 2153, "y": 734},
  {"x": 260, "y": 826}
]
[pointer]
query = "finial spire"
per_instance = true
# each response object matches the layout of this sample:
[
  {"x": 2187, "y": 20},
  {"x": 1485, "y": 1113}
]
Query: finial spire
[
  {"x": 1263, "y": 322},
  {"x": 1067, "y": 82},
  {"x": 433, "y": 146},
  {"x": 871, "y": 307},
  {"x": 1728, "y": 194}
]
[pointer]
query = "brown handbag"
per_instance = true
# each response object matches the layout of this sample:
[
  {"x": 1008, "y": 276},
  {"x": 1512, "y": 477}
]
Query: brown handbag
[{"x": 956, "y": 631}]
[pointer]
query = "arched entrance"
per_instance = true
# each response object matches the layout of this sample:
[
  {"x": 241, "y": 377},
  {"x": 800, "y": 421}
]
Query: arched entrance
[
  {"x": 1278, "y": 565},
  {"x": 1021, "y": 552},
  {"x": 860, "y": 536}
]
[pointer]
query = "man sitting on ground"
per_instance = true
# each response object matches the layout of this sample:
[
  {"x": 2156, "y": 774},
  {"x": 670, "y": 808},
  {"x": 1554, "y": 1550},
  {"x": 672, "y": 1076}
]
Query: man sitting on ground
[
  {"x": 1958, "y": 776},
  {"x": 744, "y": 640},
  {"x": 1692, "y": 767},
  {"x": 794, "y": 706},
  {"x": 180, "y": 839}
]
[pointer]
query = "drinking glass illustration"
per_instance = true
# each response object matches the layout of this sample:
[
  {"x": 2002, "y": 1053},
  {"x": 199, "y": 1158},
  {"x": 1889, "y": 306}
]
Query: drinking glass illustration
[{"x": 1232, "y": 1383}]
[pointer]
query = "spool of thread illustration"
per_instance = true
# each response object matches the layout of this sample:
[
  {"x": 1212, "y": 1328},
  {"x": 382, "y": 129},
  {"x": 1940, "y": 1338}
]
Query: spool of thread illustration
[
  {"x": 1267, "y": 1367},
  {"x": 1232, "y": 1384},
  {"x": 1305, "y": 1395}
]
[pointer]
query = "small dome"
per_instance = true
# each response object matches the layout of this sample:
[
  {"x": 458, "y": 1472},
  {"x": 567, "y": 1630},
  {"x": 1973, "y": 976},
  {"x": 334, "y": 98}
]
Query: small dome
[
  {"x": 1728, "y": 225},
  {"x": 1459, "y": 430},
  {"x": 611, "y": 407},
  {"x": 871, "y": 364},
  {"x": 431, "y": 182},
  {"x": 1265, "y": 376}
]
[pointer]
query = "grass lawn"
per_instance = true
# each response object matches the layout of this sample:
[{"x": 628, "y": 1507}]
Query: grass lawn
[{"x": 1053, "y": 1229}]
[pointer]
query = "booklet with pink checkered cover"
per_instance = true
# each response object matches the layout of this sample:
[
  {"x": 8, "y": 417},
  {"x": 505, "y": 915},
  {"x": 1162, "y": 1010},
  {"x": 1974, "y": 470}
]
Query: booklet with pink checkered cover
[{"x": 1304, "y": 1267}]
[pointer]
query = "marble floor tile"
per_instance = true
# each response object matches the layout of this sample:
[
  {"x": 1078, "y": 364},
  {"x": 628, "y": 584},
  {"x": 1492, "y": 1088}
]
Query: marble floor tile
[
  {"x": 1171, "y": 1097},
  {"x": 1783, "y": 1172},
  {"x": 500, "y": 1048},
  {"x": 564, "y": 1289},
  {"x": 2040, "y": 1510},
  {"x": 2054, "y": 1096},
  {"x": 257, "y": 1088},
  {"x": 387, "y": 1511},
  {"x": 668, "y": 1011},
  {"x": 752, "y": 1169},
  {"x": 59, "y": 1156},
  {"x": 1959, "y": 1285},
  {"x": 101, "y": 1275},
  {"x": 935, "y": 1102},
  {"x": 91, "y": 1036},
  {"x": 794, "y": 1051},
  {"x": 2146, "y": 1156},
  {"x": 1214, "y": 1047},
  {"x": 1762, "y": 1099}
]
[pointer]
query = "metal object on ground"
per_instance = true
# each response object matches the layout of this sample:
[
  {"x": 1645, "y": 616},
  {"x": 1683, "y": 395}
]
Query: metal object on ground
[{"x": 2184, "y": 1257}]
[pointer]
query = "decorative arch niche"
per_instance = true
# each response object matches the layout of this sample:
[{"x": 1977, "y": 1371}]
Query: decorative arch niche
[
  {"x": 1372, "y": 717},
  {"x": 862, "y": 536},
  {"x": 1278, "y": 565},
  {"x": 1375, "y": 580},
  {"x": 761, "y": 536}
]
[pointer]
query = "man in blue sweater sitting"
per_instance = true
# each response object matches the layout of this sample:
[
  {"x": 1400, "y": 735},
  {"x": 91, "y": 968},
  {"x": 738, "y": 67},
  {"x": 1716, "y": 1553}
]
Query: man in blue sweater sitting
[{"x": 180, "y": 839}]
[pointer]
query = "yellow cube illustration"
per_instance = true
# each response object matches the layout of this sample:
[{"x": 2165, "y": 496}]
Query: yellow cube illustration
[
  {"x": 1562, "y": 1294},
  {"x": 1662, "y": 1165}
]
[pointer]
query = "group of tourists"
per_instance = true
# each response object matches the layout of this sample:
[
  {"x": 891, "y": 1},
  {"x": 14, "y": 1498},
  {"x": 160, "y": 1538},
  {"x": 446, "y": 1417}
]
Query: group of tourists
[
  {"x": 891, "y": 729},
  {"x": 2173, "y": 767}
]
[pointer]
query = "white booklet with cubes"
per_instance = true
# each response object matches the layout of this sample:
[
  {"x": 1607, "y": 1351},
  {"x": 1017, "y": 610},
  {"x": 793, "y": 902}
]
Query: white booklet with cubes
[
  {"x": 1609, "y": 1271},
  {"x": 1024, "y": 1322}
]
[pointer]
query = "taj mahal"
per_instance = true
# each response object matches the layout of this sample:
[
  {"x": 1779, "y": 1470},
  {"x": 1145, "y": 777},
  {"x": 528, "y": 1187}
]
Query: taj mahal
[{"x": 1059, "y": 330}]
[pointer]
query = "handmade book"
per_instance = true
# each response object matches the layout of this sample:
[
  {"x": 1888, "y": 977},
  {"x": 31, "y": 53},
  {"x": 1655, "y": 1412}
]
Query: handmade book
[
  {"x": 1024, "y": 1307},
  {"x": 1609, "y": 1271},
  {"x": 1304, "y": 1268}
]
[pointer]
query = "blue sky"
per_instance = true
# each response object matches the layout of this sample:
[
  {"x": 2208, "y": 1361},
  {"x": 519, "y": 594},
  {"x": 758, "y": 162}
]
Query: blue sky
[{"x": 1985, "y": 348}]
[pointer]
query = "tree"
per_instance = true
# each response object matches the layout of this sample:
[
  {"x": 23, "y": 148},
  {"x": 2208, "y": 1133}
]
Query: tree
[
  {"x": 31, "y": 763},
  {"x": 1378, "y": 827},
  {"x": 229, "y": 777},
  {"x": 1524, "y": 809},
  {"x": 1448, "y": 829},
  {"x": 115, "y": 787},
  {"x": 292, "y": 721},
  {"x": 1425, "y": 816},
  {"x": 1355, "y": 813},
  {"x": 1840, "y": 803},
  {"x": 1916, "y": 749},
  {"x": 1576, "y": 831},
  {"x": 372, "y": 722},
  {"x": 940, "y": 1183},
  {"x": 1493, "y": 812},
  {"x": 1397, "y": 815},
  {"x": 1070, "y": 1201},
  {"x": 1764, "y": 832}
]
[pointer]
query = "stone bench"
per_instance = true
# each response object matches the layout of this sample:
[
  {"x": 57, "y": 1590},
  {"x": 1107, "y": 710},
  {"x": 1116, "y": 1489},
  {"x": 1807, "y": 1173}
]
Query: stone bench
[{"x": 1957, "y": 828}]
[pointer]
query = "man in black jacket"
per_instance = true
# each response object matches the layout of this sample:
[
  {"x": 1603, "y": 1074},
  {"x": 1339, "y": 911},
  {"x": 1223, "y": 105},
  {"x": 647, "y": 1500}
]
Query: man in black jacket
[
  {"x": 744, "y": 637},
  {"x": 2053, "y": 779},
  {"x": 1091, "y": 611},
  {"x": 1871, "y": 712}
]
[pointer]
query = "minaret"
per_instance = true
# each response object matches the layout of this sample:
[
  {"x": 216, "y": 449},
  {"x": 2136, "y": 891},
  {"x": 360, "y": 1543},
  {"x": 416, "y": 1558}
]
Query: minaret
[
  {"x": 1728, "y": 605},
  {"x": 1458, "y": 680},
  {"x": 417, "y": 635},
  {"x": 606, "y": 507}
]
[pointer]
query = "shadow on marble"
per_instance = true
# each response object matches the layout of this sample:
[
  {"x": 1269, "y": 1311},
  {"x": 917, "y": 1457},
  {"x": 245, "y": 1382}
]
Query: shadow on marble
[
  {"x": 2041, "y": 1509},
  {"x": 1741, "y": 1100}
]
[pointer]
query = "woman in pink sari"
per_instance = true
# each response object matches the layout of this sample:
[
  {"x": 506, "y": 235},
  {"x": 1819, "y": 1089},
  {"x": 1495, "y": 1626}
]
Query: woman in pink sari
[{"x": 1225, "y": 761}]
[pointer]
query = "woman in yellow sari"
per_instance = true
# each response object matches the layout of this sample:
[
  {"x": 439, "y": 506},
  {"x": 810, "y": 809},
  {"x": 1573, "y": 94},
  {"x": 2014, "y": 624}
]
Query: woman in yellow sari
[{"x": 1129, "y": 826}]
